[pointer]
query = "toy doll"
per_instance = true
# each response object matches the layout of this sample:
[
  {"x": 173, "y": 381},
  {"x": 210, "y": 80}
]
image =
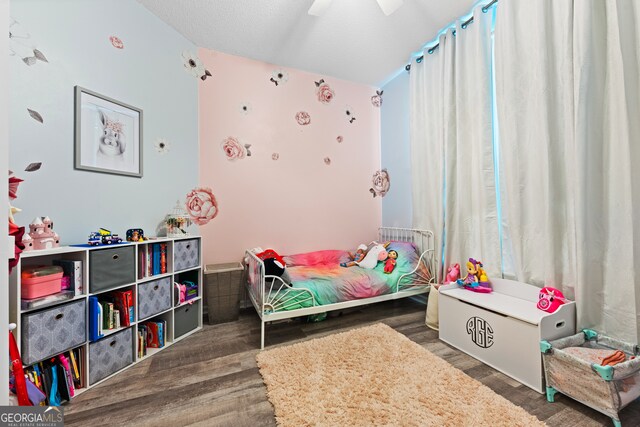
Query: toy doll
[
  {"x": 391, "y": 261},
  {"x": 358, "y": 256}
]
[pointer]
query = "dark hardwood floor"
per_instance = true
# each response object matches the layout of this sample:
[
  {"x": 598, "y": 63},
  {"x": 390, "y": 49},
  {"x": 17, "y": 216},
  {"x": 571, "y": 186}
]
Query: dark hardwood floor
[{"x": 211, "y": 377}]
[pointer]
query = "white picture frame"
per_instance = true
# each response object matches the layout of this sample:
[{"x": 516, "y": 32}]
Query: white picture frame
[{"x": 108, "y": 135}]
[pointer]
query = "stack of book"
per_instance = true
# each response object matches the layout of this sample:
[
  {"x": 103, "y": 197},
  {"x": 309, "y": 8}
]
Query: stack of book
[
  {"x": 151, "y": 334},
  {"x": 113, "y": 310},
  {"x": 152, "y": 260},
  {"x": 58, "y": 378}
]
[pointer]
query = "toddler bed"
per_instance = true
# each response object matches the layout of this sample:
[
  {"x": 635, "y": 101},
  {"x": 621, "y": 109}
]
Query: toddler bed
[{"x": 319, "y": 284}]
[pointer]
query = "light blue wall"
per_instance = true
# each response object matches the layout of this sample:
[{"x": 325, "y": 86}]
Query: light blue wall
[
  {"x": 396, "y": 156},
  {"x": 148, "y": 73}
]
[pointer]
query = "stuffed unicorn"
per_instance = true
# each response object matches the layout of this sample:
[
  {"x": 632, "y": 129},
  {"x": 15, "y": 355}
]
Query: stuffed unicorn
[{"x": 377, "y": 253}]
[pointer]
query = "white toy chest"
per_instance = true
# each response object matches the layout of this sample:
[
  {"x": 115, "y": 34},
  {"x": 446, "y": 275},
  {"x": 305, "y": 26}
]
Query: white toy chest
[{"x": 504, "y": 328}]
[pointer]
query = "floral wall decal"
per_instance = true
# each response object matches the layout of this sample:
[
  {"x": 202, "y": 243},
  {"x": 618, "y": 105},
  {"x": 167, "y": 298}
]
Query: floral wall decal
[
  {"x": 234, "y": 150},
  {"x": 279, "y": 77},
  {"x": 35, "y": 115},
  {"x": 116, "y": 42},
  {"x": 339, "y": 138},
  {"x": 201, "y": 205},
  {"x": 324, "y": 92},
  {"x": 376, "y": 100},
  {"x": 327, "y": 161},
  {"x": 303, "y": 118},
  {"x": 162, "y": 146},
  {"x": 245, "y": 108},
  {"x": 380, "y": 183},
  {"x": 349, "y": 113},
  {"x": 18, "y": 47},
  {"x": 194, "y": 66},
  {"x": 275, "y": 156},
  {"x": 32, "y": 167}
]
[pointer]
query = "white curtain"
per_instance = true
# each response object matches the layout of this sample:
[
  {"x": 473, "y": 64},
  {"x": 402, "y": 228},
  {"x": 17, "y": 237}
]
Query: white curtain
[
  {"x": 568, "y": 93},
  {"x": 451, "y": 146}
]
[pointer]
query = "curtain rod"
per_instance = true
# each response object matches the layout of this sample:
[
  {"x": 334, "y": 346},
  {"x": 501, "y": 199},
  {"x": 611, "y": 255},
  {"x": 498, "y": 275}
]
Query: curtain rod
[{"x": 464, "y": 25}]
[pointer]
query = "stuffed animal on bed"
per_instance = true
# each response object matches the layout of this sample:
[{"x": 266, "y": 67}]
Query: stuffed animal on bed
[{"x": 377, "y": 253}]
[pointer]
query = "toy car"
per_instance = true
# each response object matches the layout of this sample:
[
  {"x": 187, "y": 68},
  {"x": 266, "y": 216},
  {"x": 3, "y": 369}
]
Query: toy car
[
  {"x": 113, "y": 238},
  {"x": 95, "y": 239}
]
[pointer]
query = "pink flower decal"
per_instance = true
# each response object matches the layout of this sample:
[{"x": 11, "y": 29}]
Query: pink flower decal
[
  {"x": 381, "y": 183},
  {"x": 339, "y": 138},
  {"x": 116, "y": 42},
  {"x": 324, "y": 92},
  {"x": 327, "y": 161},
  {"x": 303, "y": 118},
  {"x": 201, "y": 205},
  {"x": 275, "y": 156},
  {"x": 376, "y": 99},
  {"x": 233, "y": 149}
]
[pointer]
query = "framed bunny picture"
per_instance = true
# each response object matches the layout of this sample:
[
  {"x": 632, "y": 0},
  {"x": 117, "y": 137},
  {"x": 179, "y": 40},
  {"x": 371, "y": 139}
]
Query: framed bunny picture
[{"x": 108, "y": 135}]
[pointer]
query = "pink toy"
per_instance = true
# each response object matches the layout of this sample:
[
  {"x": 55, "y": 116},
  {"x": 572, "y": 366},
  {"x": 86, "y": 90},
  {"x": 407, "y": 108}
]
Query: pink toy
[
  {"x": 549, "y": 299},
  {"x": 476, "y": 279},
  {"x": 41, "y": 235},
  {"x": 453, "y": 273},
  {"x": 182, "y": 292}
]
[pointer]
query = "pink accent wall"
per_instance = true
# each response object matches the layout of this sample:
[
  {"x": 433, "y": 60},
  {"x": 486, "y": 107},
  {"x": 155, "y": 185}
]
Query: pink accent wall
[{"x": 296, "y": 203}]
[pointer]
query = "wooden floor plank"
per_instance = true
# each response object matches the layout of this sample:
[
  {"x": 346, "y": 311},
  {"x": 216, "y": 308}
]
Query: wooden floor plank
[{"x": 211, "y": 379}]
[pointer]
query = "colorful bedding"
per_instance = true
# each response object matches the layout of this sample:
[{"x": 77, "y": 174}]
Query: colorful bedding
[{"x": 321, "y": 274}]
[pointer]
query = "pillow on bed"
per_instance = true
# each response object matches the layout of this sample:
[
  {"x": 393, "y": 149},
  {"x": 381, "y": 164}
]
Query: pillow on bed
[{"x": 327, "y": 257}]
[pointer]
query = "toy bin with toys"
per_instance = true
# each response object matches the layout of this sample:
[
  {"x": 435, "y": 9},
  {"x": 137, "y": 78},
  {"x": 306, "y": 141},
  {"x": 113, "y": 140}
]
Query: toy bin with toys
[
  {"x": 40, "y": 281},
  {"x": 598, "y": 371}
]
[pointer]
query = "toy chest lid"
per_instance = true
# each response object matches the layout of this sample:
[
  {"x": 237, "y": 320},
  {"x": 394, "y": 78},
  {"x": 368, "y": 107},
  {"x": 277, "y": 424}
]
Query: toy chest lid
[{"x": 41, "y": 273}]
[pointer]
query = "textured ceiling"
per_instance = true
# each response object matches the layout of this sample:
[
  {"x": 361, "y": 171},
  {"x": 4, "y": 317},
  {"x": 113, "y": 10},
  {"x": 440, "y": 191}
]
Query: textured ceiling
[{"x": 352, "y": 40}]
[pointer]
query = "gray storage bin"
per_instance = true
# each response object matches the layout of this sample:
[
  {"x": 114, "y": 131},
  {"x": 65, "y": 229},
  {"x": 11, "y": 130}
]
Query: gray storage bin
[
  {"x": 110, "y": 354},
  {"x": 223, "y": 284},
  {"x": 154, "y": 297},
  {"x": 49, "y": 332},
  {"x": 110, "y": 268},
  {"x": 186, "y": 254},
  {"x": 186, "y": 319}
]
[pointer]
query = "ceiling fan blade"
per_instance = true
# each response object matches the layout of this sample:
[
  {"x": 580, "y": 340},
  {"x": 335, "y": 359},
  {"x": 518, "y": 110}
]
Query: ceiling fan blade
[
  {"x": 389, "y": 6},
  {"x": 319, "y": 7}
]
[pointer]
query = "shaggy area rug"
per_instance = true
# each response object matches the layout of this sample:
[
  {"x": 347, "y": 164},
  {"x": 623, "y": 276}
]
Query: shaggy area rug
[{"x": 377, "y": 376}]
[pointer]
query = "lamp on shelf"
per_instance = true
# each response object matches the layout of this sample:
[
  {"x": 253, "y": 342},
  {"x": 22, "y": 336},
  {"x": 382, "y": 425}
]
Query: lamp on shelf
[{"x": 177, "y": 221}]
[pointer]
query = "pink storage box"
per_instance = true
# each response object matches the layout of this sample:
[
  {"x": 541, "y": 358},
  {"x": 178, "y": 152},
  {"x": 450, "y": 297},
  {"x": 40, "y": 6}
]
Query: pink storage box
[{"x": 41, "y": 281}]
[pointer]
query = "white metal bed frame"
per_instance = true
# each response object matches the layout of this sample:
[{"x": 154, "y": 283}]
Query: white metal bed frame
[{"x": 272, "y": 300}]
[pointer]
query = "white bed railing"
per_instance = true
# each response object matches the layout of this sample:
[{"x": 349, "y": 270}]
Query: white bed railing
[{"x": 274, "y": 299}]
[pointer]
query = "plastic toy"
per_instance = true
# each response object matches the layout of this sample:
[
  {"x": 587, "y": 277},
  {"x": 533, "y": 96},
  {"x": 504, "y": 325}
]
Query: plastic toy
[
  {"x": 390, "y": 262},
  {"x": 103, "y": 236},
  {"x": 41, "y": 235},
  {"x": 476, "y": 279},
  {"x": 453, "y": 273},
  {"x": 549, "y": 299},
  {"x": 135, "y": 235}
]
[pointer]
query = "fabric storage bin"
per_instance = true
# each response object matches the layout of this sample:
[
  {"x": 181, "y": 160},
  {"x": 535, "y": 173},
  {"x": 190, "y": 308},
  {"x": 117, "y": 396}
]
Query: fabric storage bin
[
  {"x": 573, "y": 366},
  {"x": 40, "y": 281},
  {"x": 186, "y": 319},
  {"x": 223, "y": 284},
  {"x": 49, "y": 332},
  {"x": 110, "y": 354},
  {"x": 154, "y": 297},
  {"x": 110, "y": 268},
  {"x": 186, "y": 254}
]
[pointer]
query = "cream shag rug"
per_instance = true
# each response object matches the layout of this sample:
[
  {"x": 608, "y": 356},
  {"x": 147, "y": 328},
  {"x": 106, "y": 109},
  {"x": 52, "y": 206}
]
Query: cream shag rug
[{"x": 377, "y": 376}]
